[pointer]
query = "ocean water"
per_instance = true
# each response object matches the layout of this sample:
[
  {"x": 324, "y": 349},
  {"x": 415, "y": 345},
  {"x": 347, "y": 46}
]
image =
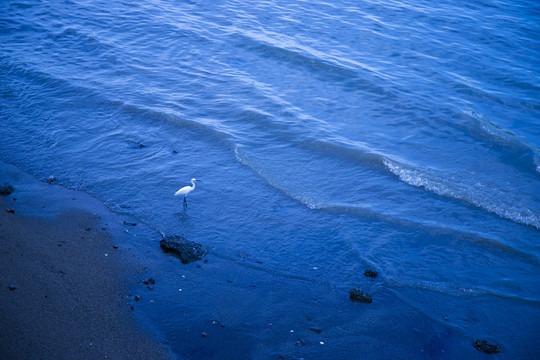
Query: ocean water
[{"x": 330, "y": 137}]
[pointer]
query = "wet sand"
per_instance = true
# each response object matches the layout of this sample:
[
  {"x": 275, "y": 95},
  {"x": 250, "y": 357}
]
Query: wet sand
[{"x": 63, "y": 288}]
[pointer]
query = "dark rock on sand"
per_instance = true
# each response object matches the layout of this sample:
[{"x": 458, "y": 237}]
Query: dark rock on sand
[
  {"x": 188, "y": 251},
  {"x": 370, "y": 273},
  {"x": 129, "y": 223},
  {"x": 317, "y": 330},
  {"x": 357, "y": 295},
  {"x": 11, "y": 211},
  {"x": 6, "y": 189},
  {"x": 12, "y": 287},
  {"x": 483, "y": 345},
  {"x": 149, "y": 281},
  {"x": 50, "y": 179}
]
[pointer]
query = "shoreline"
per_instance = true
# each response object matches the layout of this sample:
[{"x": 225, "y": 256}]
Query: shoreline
[
  {"x": 65, "y": 279},
  {"x": 76, "y": 296}
]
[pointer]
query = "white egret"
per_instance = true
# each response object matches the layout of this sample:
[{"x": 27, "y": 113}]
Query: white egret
[{"x": 186, "y": 190}]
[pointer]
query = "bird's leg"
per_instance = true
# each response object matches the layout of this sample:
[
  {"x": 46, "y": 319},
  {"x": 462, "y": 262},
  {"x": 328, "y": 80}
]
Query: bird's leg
[{"x": 185, "y": 201}]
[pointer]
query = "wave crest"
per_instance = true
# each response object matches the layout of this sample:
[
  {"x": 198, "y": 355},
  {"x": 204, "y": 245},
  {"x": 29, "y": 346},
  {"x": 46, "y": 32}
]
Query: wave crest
[{"x": 489, "y": 198}]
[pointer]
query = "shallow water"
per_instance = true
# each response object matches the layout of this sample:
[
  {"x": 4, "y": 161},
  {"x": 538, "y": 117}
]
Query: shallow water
[{"x": 329, "y": 137}]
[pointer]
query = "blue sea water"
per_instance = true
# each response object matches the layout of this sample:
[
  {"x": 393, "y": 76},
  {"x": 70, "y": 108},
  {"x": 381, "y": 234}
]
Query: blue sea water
[{"x": 330, "y": 137}]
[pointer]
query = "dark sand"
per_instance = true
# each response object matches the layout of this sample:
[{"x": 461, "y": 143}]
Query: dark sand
[{"x": 70, "y": 299}]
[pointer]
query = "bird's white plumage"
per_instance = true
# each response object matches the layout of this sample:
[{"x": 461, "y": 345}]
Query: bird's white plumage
[{"x": 186, "y": 189}]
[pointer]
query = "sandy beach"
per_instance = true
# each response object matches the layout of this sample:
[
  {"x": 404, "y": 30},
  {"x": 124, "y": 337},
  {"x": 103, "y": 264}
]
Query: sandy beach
[{"x": 64, "y": 293}]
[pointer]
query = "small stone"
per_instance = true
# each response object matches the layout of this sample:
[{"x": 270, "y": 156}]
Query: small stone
[
  {"x": 357, "y": 295},
  {"x": 300, "y": 342},
  {"x": 204, "y": 334},
  {"x": 88, "y": 229},
  {"x": 317, "y": 330},
  {"x": 50, "y": 179},
  {"x": 137, "y": 298},
  {"x": 370, "y": 273},
  {"x": 11, "y": 211},
  {"x": 12, "y": 287},
  {"x": 483, "y": 345},
  {"x": 115, "y": 246},
  {"x": 131, "y": 307},
  {"x": 175, "y": 152},
  {"x": 128, "y": 223}
]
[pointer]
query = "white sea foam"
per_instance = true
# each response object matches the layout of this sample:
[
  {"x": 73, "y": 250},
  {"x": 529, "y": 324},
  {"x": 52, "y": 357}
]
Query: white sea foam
[{"x": 486, "y": 196}]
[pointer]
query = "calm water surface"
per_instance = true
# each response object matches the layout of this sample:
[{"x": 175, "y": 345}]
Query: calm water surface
[{"x": 330, "y": 137}]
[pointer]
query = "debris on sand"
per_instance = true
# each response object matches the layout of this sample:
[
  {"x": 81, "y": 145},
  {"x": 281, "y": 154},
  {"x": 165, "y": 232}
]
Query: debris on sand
[
  {"x": 150, "y": 281},
  {"x": 483, "y": 345},
  {"x": 188, "y": 251},
  {"x": 370, "y": 273},
  {"x": 6, "y": 189},
  {"x": 358, "y": 295}
]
